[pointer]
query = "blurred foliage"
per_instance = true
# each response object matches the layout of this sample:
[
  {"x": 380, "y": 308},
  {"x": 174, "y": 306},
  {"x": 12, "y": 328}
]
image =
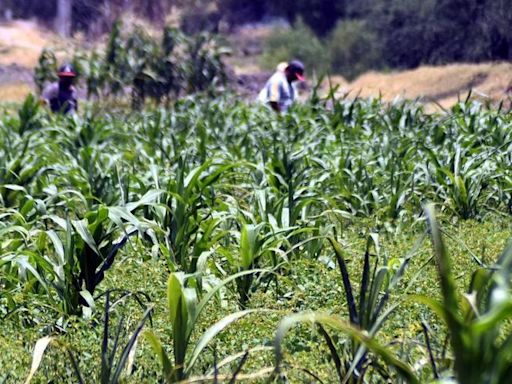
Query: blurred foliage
[
  {"x": 350, "y": 49},
  {"x": 200, "y": 16},
  {"x": 46, "y": 70},
  {"x": 410, "y": 33},
  {"x": 136, "y": 62},
  {"x": 94, "y": 16},
  {"x": 298, "y": 42},
  {"x": 353, "y": 49},
  {"x": 320, "y": 15}
]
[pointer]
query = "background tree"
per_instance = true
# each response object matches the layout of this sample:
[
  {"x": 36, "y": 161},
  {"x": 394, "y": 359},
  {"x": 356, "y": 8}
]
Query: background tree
[
  {"x": 236, "y": 12},
  {"x": 399, "y": 33},
  {"x": 319, "y": 15},
  {"x": 63, "y": 21}
]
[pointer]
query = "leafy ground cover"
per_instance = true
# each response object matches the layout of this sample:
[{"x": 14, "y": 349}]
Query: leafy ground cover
[{"x": 215, "y": 241}]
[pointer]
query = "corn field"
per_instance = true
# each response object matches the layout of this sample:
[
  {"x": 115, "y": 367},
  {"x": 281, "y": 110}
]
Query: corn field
[{"x": 347, "y": 241}]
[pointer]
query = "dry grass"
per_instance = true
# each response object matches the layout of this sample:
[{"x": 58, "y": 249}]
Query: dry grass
[
  {"x": 14, "y": 92},
  {"x": 21, "y": 43},
  {"x": 443, "y": 85}
]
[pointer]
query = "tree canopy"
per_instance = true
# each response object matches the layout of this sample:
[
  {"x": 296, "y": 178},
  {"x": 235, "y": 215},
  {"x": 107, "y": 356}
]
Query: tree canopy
[{"x": 408, "y": 32}]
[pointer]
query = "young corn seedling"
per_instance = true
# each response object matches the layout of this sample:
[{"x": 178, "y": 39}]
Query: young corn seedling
[
  {"x": 478, "y": 322},
  {"x": 78, "y": 258},
  {"x": 22, "y": 163},
  {"x": 187, "y": 205},
  {"x": 336, "y": 323},
  {"x": 255, "y": 249},
  {"x": 185, "y": 309},
  {"x": 367, "y": 311},
  {"x": 115, "y": 360}
]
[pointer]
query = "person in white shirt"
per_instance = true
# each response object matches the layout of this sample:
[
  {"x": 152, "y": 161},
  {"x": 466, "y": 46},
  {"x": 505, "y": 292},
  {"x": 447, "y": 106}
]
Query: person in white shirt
[{"x": 278, "y": 92}]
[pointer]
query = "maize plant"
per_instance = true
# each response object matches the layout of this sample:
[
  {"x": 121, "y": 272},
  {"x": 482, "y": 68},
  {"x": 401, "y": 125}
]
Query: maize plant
[
  {"x": 184, "y": 309},
  {"x": 477, "y": 321},
  {"x": 235, "y": 210}
]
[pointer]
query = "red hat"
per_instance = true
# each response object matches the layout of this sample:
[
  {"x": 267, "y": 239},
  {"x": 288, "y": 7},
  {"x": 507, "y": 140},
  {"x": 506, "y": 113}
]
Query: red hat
[{"x": 66, "y": 70}]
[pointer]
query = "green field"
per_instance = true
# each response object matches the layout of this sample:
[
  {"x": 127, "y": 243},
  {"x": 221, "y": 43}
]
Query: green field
[{"x": 346, "y": 241}]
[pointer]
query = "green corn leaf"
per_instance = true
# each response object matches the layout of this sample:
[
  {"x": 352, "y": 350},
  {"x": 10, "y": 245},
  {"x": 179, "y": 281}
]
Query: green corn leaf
[
  {"x": 190, "y": 303},
  {"x": 83, "y": 231},
  {"x": 434, "y": 305},
  {"x": 58, "y": 220},
  {"x": 174, "y": 293},
  {"x": 207, "y": 297},
  {"x": 118, "y": 214},
  {"x": 492, "y": 319},
  {"x": 57, "y": 245},
  {"x": 211, "y": 332},
  {"x": 88, "y": 298},
  {"x": 377, "y": 286},
  {"x": 14, "y": 187},
  {"x": 444, "y": 270},
  {"x": 15, "y": 229},
  {"x": 337, "y": 324},
  {"x": 249, "y": 244},
  {"x": 351, "y": 302},
  {"x": 159, "y": 350},
  {"x": 129, "y": 348},
  {"x": 191, "y": 180},
  {"x": 37, "y": 356},
  {"x": 149, "y": 197}
]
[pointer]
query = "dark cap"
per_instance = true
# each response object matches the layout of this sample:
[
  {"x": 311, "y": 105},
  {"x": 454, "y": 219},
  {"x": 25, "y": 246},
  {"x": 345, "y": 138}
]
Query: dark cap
[
  {"x": 296, "y": 67},
  {"x": 66, "y": 70}
]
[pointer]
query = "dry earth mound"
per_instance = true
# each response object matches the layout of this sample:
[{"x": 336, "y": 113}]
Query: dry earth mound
[{"x": 443, "y": 85}]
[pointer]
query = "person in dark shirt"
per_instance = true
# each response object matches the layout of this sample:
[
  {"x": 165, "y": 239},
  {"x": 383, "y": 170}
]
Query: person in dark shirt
[{"x": 61, "y": 96}]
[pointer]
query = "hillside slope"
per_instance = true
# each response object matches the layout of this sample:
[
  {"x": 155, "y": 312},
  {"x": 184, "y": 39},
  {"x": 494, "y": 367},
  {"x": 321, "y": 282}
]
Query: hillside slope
[
  {"x": 21, "y": 43},
  {"x": 442, "y": 85}
]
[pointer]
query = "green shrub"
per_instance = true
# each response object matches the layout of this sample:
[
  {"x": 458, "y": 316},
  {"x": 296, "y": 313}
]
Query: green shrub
[
  {"x": 159, "y": 69},
  {"x": 46, "y": 69},
  {"x": 298, "y": 42},
  {"x": 353, "y": 49},
  {"x": 200, "y": 16}
]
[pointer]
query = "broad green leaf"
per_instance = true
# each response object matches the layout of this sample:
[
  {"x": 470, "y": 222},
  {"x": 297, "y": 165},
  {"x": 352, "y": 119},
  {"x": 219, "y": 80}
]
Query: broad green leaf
[
  {"x": 174, "y": 294},
  {"x": 83, "y": 231},
  {"x": 57, "y": 245},
  {"x": 117, "y": 214},
  {"x": 14, "y": 187},
  {"x": 207, "y": 297},
  {"x": 159, "y": 350},
  {"x": 249, "y": 244},
  {"x": 149, "y": 197},
  {"x": 88, "y": 298}
]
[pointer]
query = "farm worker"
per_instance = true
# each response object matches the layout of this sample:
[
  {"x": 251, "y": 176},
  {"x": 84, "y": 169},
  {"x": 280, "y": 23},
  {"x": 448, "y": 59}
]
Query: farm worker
[
  {"x": 279, "y": 91},
  {"x": 281, "y": 67},
  {"x": 61, "y": 96}
]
